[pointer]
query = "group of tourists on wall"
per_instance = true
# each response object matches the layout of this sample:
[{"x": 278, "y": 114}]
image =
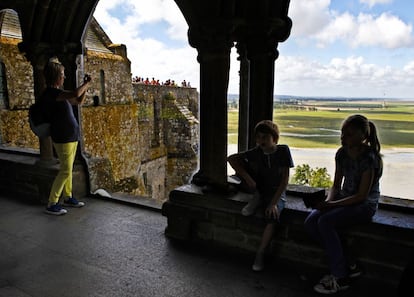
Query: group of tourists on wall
[{"x": 156, "y": 82}]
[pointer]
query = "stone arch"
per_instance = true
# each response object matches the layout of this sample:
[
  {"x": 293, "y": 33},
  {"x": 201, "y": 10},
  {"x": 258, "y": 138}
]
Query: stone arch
[
  {"x": 214, "y": 27},
  {"x": 10, "y": 23},
  {"x": 45, "y": 33}
]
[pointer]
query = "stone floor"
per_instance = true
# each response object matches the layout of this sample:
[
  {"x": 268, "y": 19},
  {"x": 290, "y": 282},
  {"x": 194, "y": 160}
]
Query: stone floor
[{"x": 116, "y": 249}]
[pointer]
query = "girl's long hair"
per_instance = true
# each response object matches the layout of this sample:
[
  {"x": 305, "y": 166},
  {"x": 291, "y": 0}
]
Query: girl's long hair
[
  {"x": 369, "y": 129},
  {"x": 372, "y": 138}
]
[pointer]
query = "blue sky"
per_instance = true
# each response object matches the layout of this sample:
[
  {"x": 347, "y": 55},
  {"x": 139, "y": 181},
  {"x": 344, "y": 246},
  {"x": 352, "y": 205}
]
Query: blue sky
[{"x": 347, "y": 48}]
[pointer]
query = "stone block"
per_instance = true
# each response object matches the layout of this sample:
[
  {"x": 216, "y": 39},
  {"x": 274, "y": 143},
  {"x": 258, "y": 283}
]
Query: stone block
[
  {"x": 251, "y": 224},
  {"x": 179, "y": 228},
  {"x": 222, "y": 219},
  {"x": 171, "y": 209},
  {"x": 203, "y": 231},
  {"x": 230, "y": 237}
]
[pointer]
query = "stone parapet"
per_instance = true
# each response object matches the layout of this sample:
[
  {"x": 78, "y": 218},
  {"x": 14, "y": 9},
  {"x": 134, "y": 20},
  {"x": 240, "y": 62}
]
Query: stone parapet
[
  {"x": 22, "y": 175},
  {"x": 126, "y": 150},
  {"x": 382, "y": 247}
]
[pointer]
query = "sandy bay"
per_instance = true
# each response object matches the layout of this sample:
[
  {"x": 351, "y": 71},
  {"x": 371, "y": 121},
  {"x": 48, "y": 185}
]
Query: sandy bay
[{"x": 398, "y": 167}]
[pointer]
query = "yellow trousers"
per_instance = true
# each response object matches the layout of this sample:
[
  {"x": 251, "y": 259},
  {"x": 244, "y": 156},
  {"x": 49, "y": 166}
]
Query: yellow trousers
[{"x": 62, "y": 185}]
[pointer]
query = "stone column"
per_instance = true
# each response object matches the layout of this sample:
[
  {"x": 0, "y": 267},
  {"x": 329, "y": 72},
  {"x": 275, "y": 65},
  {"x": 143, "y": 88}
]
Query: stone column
[
  {"x": 74, "y": 72},
  {"x": 214, "y": 57},
  {"x": 262, "y": 54},
  {"x": 70, "y": 62},
  {"x": 244, "y": 93}
]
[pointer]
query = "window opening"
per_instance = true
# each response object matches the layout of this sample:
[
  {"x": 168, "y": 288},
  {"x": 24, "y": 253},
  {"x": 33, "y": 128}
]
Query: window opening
[
  {"x": 102, "y": 82},
  {"x": 4, "y": 98},
  {"x": 156, "y": 128}
]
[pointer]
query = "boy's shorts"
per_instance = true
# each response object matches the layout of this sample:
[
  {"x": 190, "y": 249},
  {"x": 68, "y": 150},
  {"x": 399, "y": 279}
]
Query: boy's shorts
[{"x": 280, "y": 206}]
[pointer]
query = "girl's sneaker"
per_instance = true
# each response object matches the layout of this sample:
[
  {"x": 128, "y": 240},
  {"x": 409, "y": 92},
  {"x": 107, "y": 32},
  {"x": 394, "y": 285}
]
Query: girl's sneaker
[
  {"x": 55, "y": 209},
  {"x": 354, "y": 271},
  {"x": 329, "y": 284},
  {"x": 73, "y": 202}
]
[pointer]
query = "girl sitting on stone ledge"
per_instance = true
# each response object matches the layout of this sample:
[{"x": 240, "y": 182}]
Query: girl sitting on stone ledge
[{"x": 353, "y": 199}]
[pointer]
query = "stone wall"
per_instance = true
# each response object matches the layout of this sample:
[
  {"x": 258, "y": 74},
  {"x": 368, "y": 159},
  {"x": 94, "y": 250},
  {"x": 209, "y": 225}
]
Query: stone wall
[
  {"x": 112, "y": 133},
  {"x": 145, "y": 148},
  {"x": 118, "y": 142},
  {"x": 14, "y": 125},
  {"x": 154, "y": 177},
  {"x": 141, "y": 140},
  {"x": 111, "y": 75},
  {"x": 184, "y": 96},
  {"x": 15, "y": 130},
  {"x": 19, "y": 74},
  {"x": 168, "y": 117}
]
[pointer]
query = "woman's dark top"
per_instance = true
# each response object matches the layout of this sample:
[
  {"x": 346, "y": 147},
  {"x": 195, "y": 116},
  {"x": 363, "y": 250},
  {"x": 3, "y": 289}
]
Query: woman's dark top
[{"x": 64, "y": 126}]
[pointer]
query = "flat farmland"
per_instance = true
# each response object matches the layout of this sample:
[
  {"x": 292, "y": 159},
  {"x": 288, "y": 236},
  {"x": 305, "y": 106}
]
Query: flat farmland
[{"x": 316, "y": 123}]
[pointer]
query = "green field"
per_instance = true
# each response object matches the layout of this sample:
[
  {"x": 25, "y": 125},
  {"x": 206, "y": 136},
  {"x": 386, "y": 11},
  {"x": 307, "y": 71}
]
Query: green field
[{"x": 317, "y": 123}]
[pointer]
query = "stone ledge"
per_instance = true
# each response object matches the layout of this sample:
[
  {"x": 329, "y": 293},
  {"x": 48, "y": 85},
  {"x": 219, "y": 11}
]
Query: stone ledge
[
  {"x": 22, "y": 176},
  {"x": 383, "y": 247},
  {"x": 391, "y": 211}
]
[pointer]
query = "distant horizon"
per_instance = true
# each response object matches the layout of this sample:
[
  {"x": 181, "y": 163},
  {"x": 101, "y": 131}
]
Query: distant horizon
[{"x": 335, "y": 98}]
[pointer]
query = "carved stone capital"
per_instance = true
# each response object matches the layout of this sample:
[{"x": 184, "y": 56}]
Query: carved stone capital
[
  {"x": 262, "y": 48},
  {"x": 212, "y": 40}
]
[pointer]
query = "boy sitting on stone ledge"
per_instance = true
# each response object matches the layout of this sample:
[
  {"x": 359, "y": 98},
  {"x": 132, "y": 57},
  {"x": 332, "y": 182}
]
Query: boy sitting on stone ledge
[{"x": 264, "y": 171}]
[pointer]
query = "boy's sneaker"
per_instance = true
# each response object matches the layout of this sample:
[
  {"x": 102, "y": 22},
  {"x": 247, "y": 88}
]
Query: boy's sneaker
[
  {"x": 354, "y": 271},
  {"x": 330, "y": 285},
  {"x": 73, "y": 202},
  {"x": 251, "y": 206},
  {"x": 258, "y": 264},
  {"x": 55, "y": 209}
]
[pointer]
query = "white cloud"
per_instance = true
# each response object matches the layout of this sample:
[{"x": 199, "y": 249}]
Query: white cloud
[
  {"x": 141, "y": 12},
  {"x": 314, "y": 20},
  {"x": 313, "y": 15},
  {"x": 144, "y": 12},
  {"x": 372, "y": 3},
  {"x": 351, "y": 77},
  {"x": 386, "y": 31},
  {"x": 341, "y": 27},
  {"x": 409, "y": 68}
]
